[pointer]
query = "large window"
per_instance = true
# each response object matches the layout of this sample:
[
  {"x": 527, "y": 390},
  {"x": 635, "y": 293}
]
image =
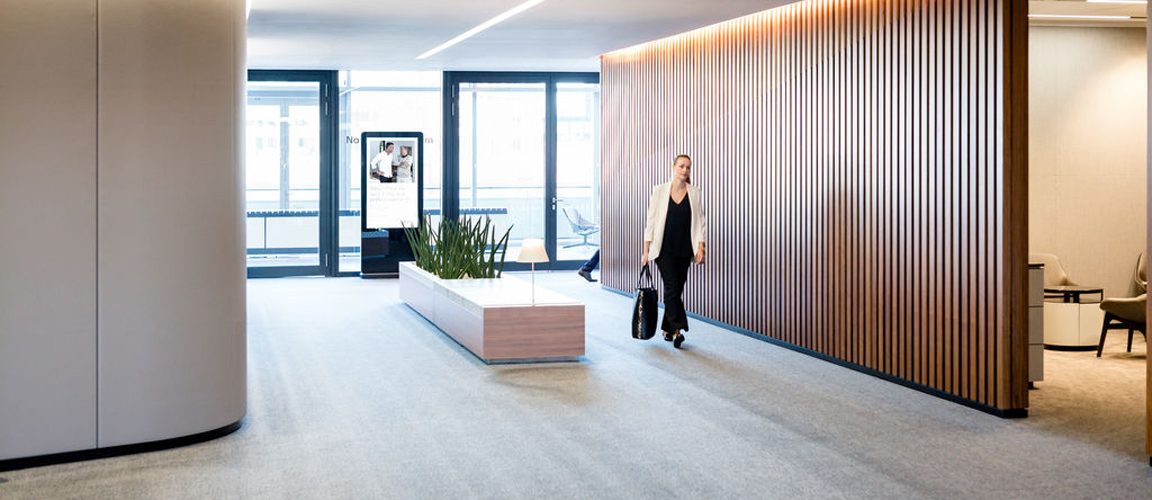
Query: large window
[
  {"x": 524, "y": 150},
  {"x": 502, "y": 150},
  {"x": 577, "y": 169},
  {"x": 288, "y": 152},
  {"x": 384, "y": 101}
]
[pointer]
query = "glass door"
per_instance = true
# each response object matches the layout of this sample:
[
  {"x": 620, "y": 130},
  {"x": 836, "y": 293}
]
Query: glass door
[
  {"x": 577, "y": 170},
  {"x": 383, "y": 101},
  {"x": 523, "y": 150},
  {"x": 286, "y": 163},
  {"x": 502, "y": 157}
]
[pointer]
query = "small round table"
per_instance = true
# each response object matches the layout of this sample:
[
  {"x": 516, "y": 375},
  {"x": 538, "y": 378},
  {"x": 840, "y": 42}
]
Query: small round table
[
  {"x": 1072, "y": 324},
  {"x": 1072, "y": 293}
]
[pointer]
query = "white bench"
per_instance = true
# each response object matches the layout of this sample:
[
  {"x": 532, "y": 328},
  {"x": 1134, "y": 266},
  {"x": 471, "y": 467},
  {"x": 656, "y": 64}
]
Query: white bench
[{"x": 495, "y": 318}]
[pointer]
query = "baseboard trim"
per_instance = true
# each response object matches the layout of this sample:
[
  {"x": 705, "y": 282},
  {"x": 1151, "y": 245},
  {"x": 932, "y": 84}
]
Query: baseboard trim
[
  {"x": 1052, "y": 347},
  {"x": 1010, "y": 413},
  {"x": 116, "y": 451}
]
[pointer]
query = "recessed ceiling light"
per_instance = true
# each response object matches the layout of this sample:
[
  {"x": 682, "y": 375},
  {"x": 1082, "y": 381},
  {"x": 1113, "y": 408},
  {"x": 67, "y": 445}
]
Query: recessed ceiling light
[{"x": 481, "y": 27}]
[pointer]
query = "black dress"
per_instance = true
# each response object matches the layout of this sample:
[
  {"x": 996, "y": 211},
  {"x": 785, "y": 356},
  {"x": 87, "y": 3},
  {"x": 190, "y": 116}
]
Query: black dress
[
  {"x": 675, "y": 258},
  {"x": 677, "y": 240}
]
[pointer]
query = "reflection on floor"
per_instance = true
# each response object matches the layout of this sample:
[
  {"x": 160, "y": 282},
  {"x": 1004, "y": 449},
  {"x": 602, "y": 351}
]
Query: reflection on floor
[
  {"x": 581, "y": 253},
  {"x": 353, "y": 395},
  {"x": 1098, "y": 401},
  {"x": 283, "y": 260},
  {"x": 350, "y": 262}
]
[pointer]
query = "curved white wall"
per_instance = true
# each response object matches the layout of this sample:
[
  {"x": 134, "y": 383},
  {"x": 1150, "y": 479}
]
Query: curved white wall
[
  {"x": 121, "y": 147},
  {"x": 47, "y": 227},
  {"x": 171, "y": 282}
]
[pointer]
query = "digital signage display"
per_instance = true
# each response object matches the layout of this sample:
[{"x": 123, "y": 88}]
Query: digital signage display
[{"x": 391, "y": 176}]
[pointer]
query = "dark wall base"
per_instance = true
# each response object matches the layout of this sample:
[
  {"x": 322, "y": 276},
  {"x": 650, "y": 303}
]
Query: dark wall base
[
  {"x": 1011, "y": 413},
  {"x": 115, "y": 451},
  {"x": 1069, "y": 347}
]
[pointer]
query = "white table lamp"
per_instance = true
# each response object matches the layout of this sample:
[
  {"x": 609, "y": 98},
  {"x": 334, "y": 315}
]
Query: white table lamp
[{"x": 532, "y": 251}]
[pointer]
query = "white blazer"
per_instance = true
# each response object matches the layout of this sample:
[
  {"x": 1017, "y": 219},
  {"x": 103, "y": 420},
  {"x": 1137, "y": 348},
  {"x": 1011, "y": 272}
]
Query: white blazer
[{"x": 658, "y": 215}]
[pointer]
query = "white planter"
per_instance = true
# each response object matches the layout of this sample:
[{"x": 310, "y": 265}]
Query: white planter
[{"x": 495, "y": 319}]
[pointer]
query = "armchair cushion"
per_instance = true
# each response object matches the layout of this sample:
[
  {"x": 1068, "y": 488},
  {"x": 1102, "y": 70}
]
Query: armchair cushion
[
  {"x": 1054, "y": 274},
  {"x": 1141, "y": 277},
  {"x": 1129, "y": 308}
]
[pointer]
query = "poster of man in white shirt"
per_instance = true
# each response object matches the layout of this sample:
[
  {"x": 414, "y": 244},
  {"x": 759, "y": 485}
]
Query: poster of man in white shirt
[
  {"x": 391, "y": 196},
  {"x": 383, "y": 165}
]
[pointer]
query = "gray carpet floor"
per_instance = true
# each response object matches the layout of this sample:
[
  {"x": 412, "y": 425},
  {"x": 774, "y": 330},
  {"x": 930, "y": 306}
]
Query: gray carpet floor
[{"x": 353, "y": 395}]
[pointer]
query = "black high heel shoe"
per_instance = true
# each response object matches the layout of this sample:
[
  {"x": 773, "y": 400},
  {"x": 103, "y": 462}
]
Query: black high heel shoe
[
  {"x": 668, "y": 336},
  {"x": 678, "y": 340}
]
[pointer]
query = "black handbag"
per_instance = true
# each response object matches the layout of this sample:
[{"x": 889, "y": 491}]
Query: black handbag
[{"x": 644, "y": 311}]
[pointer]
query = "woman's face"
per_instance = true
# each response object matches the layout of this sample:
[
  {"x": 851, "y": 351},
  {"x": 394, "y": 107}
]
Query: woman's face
[{"x": 682, "y": 169}]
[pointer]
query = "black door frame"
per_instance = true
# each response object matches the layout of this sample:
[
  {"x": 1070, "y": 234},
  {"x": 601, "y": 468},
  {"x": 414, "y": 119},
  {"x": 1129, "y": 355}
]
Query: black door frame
[
  {"x": 451, "y": 175},
  {"x": 329, "y": 255}
]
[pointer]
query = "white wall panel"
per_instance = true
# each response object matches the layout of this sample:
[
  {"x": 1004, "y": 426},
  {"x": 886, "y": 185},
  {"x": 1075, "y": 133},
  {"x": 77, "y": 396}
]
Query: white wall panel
[
  {"x": 1088, "y": 166},
  {"x": 171, "y": 312},
  {"x": 47, "y": 226}
]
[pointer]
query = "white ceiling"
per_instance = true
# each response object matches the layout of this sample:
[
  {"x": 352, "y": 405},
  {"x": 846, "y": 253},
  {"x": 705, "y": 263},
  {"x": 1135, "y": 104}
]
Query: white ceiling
[{"x": 557, "y": 35}]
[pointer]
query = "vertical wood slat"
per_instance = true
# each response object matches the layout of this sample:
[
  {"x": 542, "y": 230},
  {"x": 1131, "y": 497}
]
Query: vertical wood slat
[
  {"x": 1148, "y": 251},
  {"x": 864, "y": 169}
]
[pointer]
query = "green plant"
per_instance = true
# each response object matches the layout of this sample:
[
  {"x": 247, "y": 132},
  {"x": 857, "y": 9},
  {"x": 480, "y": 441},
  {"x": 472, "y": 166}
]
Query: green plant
[{"x": 466, "y": 248}]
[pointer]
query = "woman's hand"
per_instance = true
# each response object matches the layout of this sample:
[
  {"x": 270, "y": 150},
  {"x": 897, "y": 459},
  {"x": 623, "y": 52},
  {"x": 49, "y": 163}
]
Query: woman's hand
[
  {"x": 644, "y": 259},
  {"x": 700, "y": 256}
]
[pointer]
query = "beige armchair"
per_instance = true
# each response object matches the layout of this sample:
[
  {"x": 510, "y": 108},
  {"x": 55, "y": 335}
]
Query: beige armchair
[
  {"x": 1054, "y": 274},
  {"x": 1127, "y": 313}
]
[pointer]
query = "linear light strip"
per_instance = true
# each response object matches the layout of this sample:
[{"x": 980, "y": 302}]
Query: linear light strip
[
  {"x": 481, "y": 27},
  {"x": 1077, "y": 17}
]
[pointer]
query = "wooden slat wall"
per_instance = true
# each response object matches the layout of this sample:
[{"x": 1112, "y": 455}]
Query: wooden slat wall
[{"x": 864, "y": 171}]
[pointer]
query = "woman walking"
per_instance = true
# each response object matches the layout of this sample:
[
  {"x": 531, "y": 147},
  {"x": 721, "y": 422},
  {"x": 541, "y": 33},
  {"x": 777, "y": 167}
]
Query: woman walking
[{"x": 674, "y": 238}]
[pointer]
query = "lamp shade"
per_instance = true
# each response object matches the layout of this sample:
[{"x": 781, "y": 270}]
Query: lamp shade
[{"x": 532, "y": 251}]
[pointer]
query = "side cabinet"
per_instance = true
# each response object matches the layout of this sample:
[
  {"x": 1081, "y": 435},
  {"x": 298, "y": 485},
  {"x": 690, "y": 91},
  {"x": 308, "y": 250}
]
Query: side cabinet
[{"x": 1035, "y": 322}]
